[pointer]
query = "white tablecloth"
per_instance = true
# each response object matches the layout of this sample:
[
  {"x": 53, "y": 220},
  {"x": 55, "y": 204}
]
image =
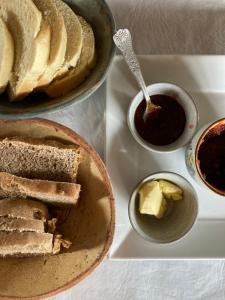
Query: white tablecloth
[{"x": 158, "y": 26}]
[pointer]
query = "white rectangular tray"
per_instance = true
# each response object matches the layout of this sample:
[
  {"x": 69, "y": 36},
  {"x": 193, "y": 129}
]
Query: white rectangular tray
[{"x": 204, "y": 78}]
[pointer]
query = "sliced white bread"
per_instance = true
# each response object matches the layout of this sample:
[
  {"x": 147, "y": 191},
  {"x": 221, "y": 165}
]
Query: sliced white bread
[
  {"x": 6, "y": 55},
  {"x": 76, "y": 76},
  {"x": 23, "y": 209},
  {"x": 21, "y": 225},
  {"x": 58, "y": 44},
  {"x": 32, "y": 41},
  {"x": 74, "y": 35},
  {"x": 52, "y": 192}
]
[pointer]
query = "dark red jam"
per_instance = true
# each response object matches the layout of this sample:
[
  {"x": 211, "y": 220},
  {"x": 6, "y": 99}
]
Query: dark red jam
[
  {"x": 211, "y": 157},
  {"x": 164, "y": 126}
]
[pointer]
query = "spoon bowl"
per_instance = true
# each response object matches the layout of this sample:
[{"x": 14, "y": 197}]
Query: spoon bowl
[{"x": 151, "y": 110}]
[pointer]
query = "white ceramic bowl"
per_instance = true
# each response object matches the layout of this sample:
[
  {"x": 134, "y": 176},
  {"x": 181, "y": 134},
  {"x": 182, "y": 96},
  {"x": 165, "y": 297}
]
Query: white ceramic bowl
[
  {"x": 173, "y": 226},
  {"x": 185, "y": 101}
]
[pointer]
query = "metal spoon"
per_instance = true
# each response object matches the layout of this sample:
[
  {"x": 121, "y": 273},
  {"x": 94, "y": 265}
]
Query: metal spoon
[{"x": 122, "y": 39}]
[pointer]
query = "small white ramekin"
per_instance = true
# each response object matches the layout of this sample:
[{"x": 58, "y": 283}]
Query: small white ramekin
[
  {"x": 184, "y": 100},
  {"x": 173, "y": 226}
]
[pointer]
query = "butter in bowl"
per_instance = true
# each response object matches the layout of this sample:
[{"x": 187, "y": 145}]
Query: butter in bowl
[
  {"x": 163, "y": 207},
  {"x": 155, "y": 197}
]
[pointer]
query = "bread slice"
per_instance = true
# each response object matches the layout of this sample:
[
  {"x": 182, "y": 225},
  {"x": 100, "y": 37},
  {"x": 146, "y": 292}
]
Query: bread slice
[
  {"x": 58, "y": 44},
  {"x": 31, "y": 38},
  {"x": 6, "y": 55},
  {"x": 25, "y": 243},
  {"x": 76, "y": 76},
  {"x": 74, "y": 35},
  {"x": 39, "y": 159},
  {"x": 21, "y": 225},
  {"x": 23, "y": 209},
  {"x": 58, "y": 193}
]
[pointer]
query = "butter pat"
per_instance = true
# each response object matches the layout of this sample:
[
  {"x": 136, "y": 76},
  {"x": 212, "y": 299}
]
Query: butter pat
[
  {"x": 151, "y": 200},
  {"x": 170, "y": 190}
]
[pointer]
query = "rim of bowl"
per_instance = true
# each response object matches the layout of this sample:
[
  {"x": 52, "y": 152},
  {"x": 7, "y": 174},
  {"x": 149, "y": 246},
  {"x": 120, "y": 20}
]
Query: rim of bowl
[
  {"x": 200, "y": 141},
  {"x": 147, "y": 145},
  {"x": 82, "y": 97},
  {"x": 148, "y": 238}
]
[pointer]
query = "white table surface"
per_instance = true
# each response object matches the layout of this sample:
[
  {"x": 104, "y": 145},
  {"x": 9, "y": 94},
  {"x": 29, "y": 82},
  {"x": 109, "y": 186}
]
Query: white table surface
[{"x": 159, "y": 27}]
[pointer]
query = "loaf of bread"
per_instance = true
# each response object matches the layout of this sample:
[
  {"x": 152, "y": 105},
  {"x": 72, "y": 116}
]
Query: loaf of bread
[
  {"x": 6, "y": 55},
  {"x": 32, "y": 43},
  {"x": 39, "y": 159},
  {"x": 51, "y": 192}
]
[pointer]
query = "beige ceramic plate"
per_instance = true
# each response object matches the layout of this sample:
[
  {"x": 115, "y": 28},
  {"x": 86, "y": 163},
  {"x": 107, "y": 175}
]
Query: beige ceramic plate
[{"x": 90, "y": 226}]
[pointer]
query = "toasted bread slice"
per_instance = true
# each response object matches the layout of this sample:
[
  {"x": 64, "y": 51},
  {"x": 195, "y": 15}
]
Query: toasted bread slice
[
  {"x": 21, "y": 225},
  {"x": 23, "y": 208},
  {"x": 6, "y": 55},
  {"x": 31, "y": 39},
  {"x": 76, "y": 76},
  {"x": 39, "y": 159},
  {"x": 74, "y": 35},
  {"x": 58, "y": 44},
  {"x": 57, "y": 193}
]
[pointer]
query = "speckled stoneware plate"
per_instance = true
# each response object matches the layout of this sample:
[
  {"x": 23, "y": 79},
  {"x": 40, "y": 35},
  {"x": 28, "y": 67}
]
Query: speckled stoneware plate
[
  {"x": 90, "y": 226},
  {"x": 98, "y": 14}
]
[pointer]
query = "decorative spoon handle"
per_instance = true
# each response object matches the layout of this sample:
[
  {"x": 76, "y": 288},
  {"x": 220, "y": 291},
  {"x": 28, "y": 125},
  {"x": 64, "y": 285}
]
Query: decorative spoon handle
[{"x": 123, "y": 41}]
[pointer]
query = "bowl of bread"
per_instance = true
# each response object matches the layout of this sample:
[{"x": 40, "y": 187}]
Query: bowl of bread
[
  {"x": 57, "y": 213},
  {"x": 53, "y": 53}
]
